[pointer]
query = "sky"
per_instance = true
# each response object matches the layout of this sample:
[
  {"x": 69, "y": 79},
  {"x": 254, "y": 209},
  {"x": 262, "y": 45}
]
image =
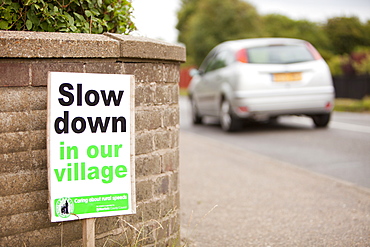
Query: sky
[{"x": 157, "y": 18}]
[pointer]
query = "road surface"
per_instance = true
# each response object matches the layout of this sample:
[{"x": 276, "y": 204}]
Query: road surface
[{"x": 342, "y": 150}]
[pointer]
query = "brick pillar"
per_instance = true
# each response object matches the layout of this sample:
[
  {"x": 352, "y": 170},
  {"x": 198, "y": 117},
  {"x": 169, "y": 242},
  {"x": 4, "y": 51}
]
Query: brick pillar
[{"x": 26, "y": 57}]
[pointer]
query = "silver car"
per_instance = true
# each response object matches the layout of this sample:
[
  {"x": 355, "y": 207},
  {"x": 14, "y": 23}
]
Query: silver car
[{"x": 260, "y": 80}]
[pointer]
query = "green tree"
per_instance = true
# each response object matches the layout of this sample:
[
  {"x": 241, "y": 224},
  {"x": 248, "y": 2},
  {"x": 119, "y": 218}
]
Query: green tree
[
  {"x": 281, "y": 26},
  {"x": 78, "y": 16},
  {"x": 346, "y": 33},
  {"x": 184, "y": 15},
  {"x": 206, "y": 23},
  {"x": 202, "y": 24},
  {"x": 276, "y": 25},
  {"x": 367, "y": 32}
]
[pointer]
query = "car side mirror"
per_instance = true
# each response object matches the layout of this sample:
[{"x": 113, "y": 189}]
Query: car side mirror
[{"x": 194, "y": 72}]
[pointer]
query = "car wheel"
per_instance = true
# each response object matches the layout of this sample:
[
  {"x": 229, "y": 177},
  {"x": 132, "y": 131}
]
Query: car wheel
[
  {"x": 197, "y": 119},
  {"x": 321, "y": 120},
  {"x": 228, "y": 122},
  {"x": 273, "y": 120}
]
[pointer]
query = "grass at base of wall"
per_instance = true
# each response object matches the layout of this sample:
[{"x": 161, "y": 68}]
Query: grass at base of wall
[
  {"x": 183, "y": 91},
  {"x": 353, "y": 105}
]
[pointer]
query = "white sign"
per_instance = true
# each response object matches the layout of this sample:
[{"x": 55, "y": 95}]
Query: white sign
[{"x": 90, "y": 145}]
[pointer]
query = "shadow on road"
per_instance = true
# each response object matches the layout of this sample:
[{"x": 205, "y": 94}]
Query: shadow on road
[{"x": 212, "y": 124}]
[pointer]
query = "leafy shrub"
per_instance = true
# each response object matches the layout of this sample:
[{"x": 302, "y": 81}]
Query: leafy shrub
[
  {"x": 336, "y": 63},
  {"x": 75, "y": 16},
  {"x": 362, "y": 58},
  {"x": 364, "y": 66}
]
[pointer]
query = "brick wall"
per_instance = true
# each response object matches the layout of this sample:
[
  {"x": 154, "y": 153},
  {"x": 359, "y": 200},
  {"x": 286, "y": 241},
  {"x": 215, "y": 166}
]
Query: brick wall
[{"x": 26, "y": 57}]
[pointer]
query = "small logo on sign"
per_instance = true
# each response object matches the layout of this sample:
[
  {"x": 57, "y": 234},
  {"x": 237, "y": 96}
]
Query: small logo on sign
[{"x": 64, "y": 207}]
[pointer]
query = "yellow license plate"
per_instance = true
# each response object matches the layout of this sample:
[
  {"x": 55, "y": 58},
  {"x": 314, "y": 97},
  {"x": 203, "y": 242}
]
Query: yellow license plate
[{"x": 283, "y": 77}]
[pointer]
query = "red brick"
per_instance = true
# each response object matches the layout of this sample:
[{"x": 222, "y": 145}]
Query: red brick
[
  {"x": 40, "y": 71},
  {"x": 14, "y": 74}
]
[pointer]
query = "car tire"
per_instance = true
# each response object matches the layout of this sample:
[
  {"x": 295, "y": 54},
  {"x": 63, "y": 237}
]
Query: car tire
[
  {"x": 196, "y": 118},
  {"x": 321, "y": 120},
  {"x": 229, "y": 123},
  {"x": 273, "y": 120}
]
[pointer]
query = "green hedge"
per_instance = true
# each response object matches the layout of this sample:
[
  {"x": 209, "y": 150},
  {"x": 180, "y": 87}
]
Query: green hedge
[{"x": 74, "y": 16}]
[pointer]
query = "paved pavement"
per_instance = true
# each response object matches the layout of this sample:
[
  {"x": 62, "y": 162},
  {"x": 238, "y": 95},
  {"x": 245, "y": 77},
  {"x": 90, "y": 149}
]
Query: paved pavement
[{"x": 231, "y": 198}]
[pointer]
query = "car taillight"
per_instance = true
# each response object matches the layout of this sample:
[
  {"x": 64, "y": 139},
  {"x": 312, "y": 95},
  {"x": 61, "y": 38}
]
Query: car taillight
[
  {"x": 242, "y": 56},
  {"x": 243, "y": 109},
  {"x": 316, "y": 55},
  {"x": 329, "y": 106}
]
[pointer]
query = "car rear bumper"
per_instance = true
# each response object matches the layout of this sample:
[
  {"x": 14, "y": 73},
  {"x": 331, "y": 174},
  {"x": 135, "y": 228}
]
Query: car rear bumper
[{"x": 283, "y": 102}]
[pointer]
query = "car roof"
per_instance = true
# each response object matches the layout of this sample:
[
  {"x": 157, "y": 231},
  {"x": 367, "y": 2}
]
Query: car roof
[{"x": 246, "y": 43}]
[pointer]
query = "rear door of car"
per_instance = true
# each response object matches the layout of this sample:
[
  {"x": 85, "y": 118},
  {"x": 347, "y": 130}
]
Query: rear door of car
[{"x": 209, "y": 90}]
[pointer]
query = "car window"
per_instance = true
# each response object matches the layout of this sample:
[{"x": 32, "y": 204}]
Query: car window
[
  {"x": 279, "y": 54},
  {"x": 207, "y": 61},
  {"x": 219, "y": 61}
]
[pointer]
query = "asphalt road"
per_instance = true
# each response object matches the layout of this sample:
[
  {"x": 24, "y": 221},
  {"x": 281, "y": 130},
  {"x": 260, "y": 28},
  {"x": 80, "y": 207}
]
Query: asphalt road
[
  {"x": 234, "y": 197},
  {"x": 264, "y": 186},
  {"x": 342, "y": 150}
]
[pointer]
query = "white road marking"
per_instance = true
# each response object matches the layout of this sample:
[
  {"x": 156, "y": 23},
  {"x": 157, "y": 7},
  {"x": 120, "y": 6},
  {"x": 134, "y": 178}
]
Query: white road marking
[
  {"x": 332, "y": 124},
  {"x": 350, "y": 127}
]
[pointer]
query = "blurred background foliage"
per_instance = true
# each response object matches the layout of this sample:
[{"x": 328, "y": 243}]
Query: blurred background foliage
[
  {"x": 202, "y": 24},
  {"x": 74, "y": 16}
]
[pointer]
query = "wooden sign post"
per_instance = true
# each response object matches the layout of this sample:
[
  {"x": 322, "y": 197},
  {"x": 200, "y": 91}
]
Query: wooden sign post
[{"x": 88, "y": 233}]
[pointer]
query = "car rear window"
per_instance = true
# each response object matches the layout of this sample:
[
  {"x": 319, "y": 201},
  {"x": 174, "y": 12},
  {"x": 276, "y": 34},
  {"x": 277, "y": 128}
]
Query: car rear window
[{"x": 279, "y": 54}]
